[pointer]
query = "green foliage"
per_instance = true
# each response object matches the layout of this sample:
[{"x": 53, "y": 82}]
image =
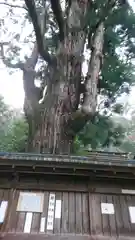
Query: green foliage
[
  {"x": 118, "y": 108},
  {"x": 100, "y": 133},
  {"x": 5, "y": 114},
  {"x": 128, "y": 143},
  {"x": 118, "y": 67},
  {"x": 13, "y": 130},
  {"x": 116, "y": 78}
]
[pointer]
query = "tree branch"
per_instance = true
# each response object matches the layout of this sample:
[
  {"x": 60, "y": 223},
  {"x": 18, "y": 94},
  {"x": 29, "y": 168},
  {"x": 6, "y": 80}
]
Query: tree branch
[
  {"x": 32, "y": 60},
  {"x": 7, "y": 62},
  {"x": 15, "y": 6},
  {"x": 57, "y": 11},
  {"x": 90, "y": 97},
  {"x": 101, "y": 17},
  {"x": 39, "y": 35}
]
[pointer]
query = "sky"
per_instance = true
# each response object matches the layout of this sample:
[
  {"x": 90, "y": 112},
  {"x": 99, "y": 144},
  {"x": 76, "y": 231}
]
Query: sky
[{"x": 11, "y": 85}]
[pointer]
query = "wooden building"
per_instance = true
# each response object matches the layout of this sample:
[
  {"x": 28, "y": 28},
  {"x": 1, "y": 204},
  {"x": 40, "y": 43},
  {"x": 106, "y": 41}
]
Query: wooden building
[{"x": 45, "y": 197}]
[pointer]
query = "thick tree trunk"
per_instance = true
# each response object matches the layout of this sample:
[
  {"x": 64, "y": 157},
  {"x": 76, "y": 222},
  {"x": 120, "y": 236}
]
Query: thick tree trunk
[
  {"x": 53, "y": 134},
  {"x": 51, "y": 131}
]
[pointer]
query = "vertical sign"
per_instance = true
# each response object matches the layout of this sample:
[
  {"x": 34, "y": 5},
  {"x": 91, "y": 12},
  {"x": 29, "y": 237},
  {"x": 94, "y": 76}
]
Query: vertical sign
[
  {"x": 51, "y": 211},
  {"x": 42, "y": 224},
  {"x": 58, "y": 209},
  {"x": 28, "y": 222},
  {"x": 3, "y": 209},
  {"x": 132, "y": 214}
]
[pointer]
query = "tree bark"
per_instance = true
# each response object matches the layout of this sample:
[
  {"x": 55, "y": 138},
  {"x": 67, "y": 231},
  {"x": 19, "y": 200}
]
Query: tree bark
[
  {"x": 53, "y": 134},
  {"x": 91, "y": 83},
  {"x": 50, "y": 122}
]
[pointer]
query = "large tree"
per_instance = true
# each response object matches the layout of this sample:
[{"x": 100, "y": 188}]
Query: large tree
[{"x": 69, "y": 98}]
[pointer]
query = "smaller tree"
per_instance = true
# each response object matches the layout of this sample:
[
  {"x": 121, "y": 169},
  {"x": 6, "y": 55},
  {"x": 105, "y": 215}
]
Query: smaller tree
[
  {"x": 128, "y": 143},
  {"x": 13, "y": 129},
  {"x": 101, "y": 134}
]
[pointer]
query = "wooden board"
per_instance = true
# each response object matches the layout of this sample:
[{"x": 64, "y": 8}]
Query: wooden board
[{"x": 75, "y": 213}]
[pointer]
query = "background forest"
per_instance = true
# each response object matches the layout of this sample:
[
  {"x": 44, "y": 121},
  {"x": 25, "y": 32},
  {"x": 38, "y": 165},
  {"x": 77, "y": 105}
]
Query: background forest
[{"x": 14, "y": 132}]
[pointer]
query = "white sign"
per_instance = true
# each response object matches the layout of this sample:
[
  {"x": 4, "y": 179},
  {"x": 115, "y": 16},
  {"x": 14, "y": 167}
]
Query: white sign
[
  {"x": 107, "y": 208},
  {"x": 30, "y": 202},
  {"x": 58, "y": 209},
  {"x": 42, "y": 224},
  {"x": 28, "y": 222},
  {"x": 132, "y": 214},
  {"x": 128, "y": 191},
  {"x": 3, "y": 209},
  {"x": 51, "y": 207}
]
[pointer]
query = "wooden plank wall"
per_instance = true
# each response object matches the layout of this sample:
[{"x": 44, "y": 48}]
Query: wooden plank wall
[
  {"x": 80, "y": 214},
  {"x": 74, "y": 215}
]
